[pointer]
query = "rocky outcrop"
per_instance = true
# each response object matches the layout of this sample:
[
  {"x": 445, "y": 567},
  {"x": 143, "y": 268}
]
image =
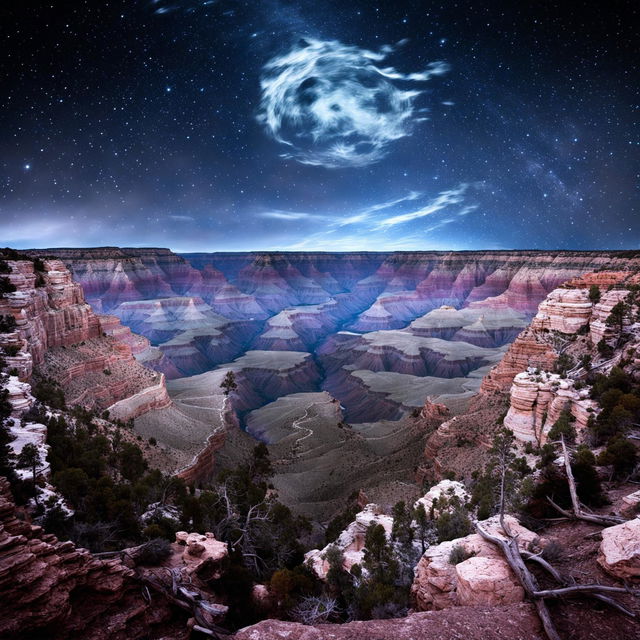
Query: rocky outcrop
[
  {"x": 351, "y": 541},
  {"x": 483, "y": 581},
  {"x": 511, "y": 622},
  {"x": 112, "y": 326},
  {"x": 59, "y": 336},
  {"x": 53, "y": 314},
  {"x": 203, "y": 555},
  {"x": 148, "y": 399},
  {"x": 58, "y": 591},
  {"x": 188, "y": 332},
  {"x": 445, "y": 490},
  {"x": 619, "y": 552},
  {"x": 403, "y": 352},
  {"x": 537, "y": 400},
  {"x": 483, "y": 578},
  {"x": 529, "y": 350}
]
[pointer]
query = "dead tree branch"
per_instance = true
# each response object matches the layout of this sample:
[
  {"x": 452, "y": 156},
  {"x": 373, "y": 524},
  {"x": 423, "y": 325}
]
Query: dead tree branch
[{"x": 578, "y": 512}]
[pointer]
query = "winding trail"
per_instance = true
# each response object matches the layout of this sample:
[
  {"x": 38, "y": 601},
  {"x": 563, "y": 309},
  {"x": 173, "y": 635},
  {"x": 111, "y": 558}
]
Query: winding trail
[
  {"x": 223, "y": 422},
  {"x": 296, "y": 423}
]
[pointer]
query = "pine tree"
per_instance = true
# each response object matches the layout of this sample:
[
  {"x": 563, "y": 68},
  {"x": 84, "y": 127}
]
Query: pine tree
[
  {"x": 29, "y": 457},
  {"x": 229, "y": 383}
]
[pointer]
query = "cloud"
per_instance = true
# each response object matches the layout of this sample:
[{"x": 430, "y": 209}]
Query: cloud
[
  {"x": 180, "y": 218},
  {"x": 285, "y": 215},
  {"x": 443, "y": 200},
  {"x": 395, "y": 224},
  {"x": 190, "y": 6},
  {"x": 332, "y": 105}
]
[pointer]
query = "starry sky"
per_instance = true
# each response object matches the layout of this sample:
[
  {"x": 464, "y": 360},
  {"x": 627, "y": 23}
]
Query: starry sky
[{"x": 226, "y": 125}]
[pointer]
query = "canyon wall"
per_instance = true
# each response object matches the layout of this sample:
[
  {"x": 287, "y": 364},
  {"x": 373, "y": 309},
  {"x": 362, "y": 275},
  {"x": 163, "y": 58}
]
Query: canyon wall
[
  {"x": 545, "y": 371},
  {"x": 59, "y": 591},
  {"x": 57, "y": 335},
  {"x": 202, "y": 310}
]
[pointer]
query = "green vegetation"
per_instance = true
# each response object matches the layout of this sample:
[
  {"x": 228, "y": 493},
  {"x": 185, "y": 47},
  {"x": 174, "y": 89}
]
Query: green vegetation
[
  {"x": 563, "y": 428},
  {"x": 594, "y": 293},
  {"x": 459, "y": 554},
  {"x": 229, "y": 384},
  {"x": 503, "y": 480},
  {"x": 619, "y": 398},
  {"x": 6, "y": 286},
  {"x": 7, "y": 324}
]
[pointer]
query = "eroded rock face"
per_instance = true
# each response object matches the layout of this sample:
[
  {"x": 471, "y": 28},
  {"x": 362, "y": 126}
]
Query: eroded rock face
[
  {"x": 485, "y": 581},
  {"x": 58, "y": 591},
  {"x": 444, "y": 489},
  {"x": 511, "y": 622},
  {"x": 537, "y": 400},
  {"x": 619, "y": 552},
  {"x": 485, "y": 578},
  {"x": 564, "y": 310},
  {"x": 59, "y": 335}
]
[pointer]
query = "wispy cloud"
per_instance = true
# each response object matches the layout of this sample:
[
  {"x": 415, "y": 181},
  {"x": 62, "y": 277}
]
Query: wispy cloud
[
  {"x": 286, "y": 215},
  {"x": 396, "y": 224},
  {"x": 181, "y": 218},
  {"x": 442, "y": 201}
]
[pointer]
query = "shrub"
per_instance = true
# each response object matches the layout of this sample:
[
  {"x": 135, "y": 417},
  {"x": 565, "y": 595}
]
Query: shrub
[
  {"x": 6, "y": 286},
  {"x": 7, "y": 324},
  {"x": 594, "y": 293},
  {"x": 152, "y": 441},
  {"x": 604, "y": 349},
  {"x": 459, "y": 554},
  {"x": 562, "y": 427},
  {"x": 621, "y": 454},
  {"x": 153, "y": 552},
  {"x": 563, "y": 363},
  {"x": 453, "y": 524}
]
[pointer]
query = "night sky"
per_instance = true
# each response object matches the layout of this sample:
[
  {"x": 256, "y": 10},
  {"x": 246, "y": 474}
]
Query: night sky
[{"x": 329, "y": 125}]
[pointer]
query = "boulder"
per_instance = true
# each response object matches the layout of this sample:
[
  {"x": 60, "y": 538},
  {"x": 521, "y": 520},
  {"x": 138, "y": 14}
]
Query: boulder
[
  {"x": 444, "y": 489},
  {"x": 619, "y": 552},
  {"x": 350, "y": 541},
  {"x": 202, "y": 554},
  {"x": 486, "y": 581}
]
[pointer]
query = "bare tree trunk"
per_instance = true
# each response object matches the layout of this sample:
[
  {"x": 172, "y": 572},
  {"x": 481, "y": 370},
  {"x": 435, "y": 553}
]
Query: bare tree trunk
[
  {"x": 578, "y": 512},
  {"x": 516, "y": 561}
]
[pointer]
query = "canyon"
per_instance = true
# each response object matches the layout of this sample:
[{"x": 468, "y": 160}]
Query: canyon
[
  {"x": 353, "y": 383},
  {"x": 377, "y": 334}
]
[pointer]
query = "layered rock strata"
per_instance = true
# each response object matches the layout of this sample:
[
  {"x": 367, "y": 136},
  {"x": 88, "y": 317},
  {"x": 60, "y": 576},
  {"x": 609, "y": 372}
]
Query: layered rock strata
[
  {"x": 58, "y": 335},
  {"x": 351, "y": 541},
  {"x": 58, "y": 591}
]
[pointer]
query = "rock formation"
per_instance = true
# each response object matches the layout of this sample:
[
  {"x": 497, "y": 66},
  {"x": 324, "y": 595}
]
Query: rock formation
[
  {"x": 538, "y": 399},
  {"x": 202, "y": 555},
  {"x": 619, "y": 552},
  {"x": 444, "y": 489},
  {"x": 58, "y": 591},
  {"x": 351, "y": 541},
  {"x": 57, "y": 335},
  {"x": 511, "y": 622},
  {"x": 483, "y": 578}
]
